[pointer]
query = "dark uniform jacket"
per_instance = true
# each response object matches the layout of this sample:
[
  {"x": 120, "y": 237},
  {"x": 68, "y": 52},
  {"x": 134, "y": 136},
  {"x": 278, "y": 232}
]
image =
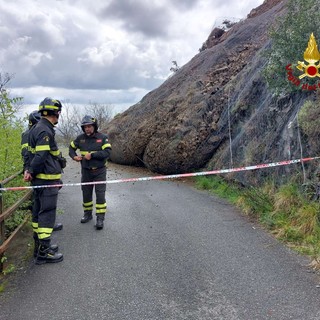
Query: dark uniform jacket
[
  {"x": 24, "y": 148},
  {"x": 44, "y": 153},
  {"x": 97, "y": 144}
]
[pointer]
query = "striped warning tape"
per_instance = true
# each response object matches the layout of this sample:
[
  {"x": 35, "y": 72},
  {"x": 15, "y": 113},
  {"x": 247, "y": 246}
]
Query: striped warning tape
[{"x": 171, "y": 176}]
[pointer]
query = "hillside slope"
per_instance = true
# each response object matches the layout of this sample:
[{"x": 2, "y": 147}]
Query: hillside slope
[{"x": 216, "y": 111}]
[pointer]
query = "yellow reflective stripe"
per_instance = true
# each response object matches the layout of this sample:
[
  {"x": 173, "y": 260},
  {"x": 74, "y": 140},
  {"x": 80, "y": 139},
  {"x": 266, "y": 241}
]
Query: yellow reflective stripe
[
  {"x": 25, "y": 145},
  {"x": 45, "y": 230},
  {"x": 48, "y": 107},
  {"x": 47, "y": 148},
  {"x": 43, "y": 148},
  {"x": 105, "y": 146},
  {"x": 103, "y": 205},
  {"x": 73, "y": 145},
  {"x": 87, "y": 206},
  {"x": 55, "y": 153},
  {"x": 83, "y": 153},
  {"x": 44, "y": 233},
  {"x": 35, "y": 227},
  {"x": 49, "y": 176},
  {"x": 32, "y": 150},
  {"x": 101, "y": 208}
]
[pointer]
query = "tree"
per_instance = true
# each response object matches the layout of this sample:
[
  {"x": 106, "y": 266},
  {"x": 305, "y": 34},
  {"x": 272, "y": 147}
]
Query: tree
[
  {"x": 11, "y": 129},
  {"x": 102, "y": 112},
  {"x": 70, "y": 122},
  {"x": 289, "y": 39},
  {"x": 175, "y": 67},
  {"x": 68, "y": 126}
]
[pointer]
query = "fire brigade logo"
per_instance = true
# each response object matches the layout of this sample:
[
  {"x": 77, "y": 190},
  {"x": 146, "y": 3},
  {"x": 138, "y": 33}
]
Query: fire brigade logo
[
  {"x": 310, "y": 67},
  {"x": 312, "y": 56}
]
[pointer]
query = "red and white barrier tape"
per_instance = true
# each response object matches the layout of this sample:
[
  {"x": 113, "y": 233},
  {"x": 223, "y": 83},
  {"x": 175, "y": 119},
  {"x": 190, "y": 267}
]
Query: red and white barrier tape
[{"x": 171, "y": 176}]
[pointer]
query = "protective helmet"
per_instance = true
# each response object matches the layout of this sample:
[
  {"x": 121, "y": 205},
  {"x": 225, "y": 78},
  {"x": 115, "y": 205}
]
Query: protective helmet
[
  {"x": 34, "y": 117},
  {"x": 86, "y": 120},
  {"x": 50, "y": 107}
]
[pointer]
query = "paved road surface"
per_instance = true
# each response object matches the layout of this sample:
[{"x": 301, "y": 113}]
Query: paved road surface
[{"x": 167, "y": 252}]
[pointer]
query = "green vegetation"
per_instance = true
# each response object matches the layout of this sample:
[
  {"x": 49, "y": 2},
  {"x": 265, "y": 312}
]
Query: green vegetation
[
  {"x": 15, "y": 220},
  {"x": 309, "y": 121},
  {"x": 309, "y": 118},
  {"x": 11, "y": 130},
  {"x": 10, "y": 152},
  {"x": 2, "y": 287},
  {"x": 10, "y": 162},
  {"x": 288, "y": 212},
  {"x": 9, "y": 269},
  {"x": 289, "y": 40}
]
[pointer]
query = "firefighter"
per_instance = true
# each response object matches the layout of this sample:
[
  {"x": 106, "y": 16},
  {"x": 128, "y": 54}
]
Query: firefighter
[
  {"x": 45, "y": 168},
  {"x": 34, "y": 118},
  {"x": 94, "y": 150}
]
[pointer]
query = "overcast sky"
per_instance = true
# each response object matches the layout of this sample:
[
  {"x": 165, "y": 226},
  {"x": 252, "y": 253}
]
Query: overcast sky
[{"x": 104, "y": 51}]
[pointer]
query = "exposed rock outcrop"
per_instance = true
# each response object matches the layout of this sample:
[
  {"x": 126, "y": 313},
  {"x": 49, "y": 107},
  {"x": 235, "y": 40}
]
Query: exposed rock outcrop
[{"x": 215, "y": 112}]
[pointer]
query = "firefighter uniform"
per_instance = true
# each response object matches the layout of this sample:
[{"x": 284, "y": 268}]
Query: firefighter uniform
[
  {"x": 92, "y": 170},
  {"x": 45, "y": 169},
  {"x": 34, "y": 118},
  {"x": 24, "y": 148}
]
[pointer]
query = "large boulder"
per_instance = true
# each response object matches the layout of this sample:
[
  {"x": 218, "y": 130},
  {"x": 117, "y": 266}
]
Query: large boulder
[{"x": 216, "y": 111}]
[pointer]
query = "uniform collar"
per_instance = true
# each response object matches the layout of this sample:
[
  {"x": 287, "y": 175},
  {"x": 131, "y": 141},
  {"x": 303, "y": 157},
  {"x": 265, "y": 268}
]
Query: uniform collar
[{"x": 47, "y": 121}]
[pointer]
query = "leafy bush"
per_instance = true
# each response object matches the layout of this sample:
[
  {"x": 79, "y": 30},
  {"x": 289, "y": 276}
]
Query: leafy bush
[
  {"x": 309, "y": 118},
  {"x": 309, "y": 121},
  {"x": 289, "y": 39},
  {"x": 11, "y": 130}
]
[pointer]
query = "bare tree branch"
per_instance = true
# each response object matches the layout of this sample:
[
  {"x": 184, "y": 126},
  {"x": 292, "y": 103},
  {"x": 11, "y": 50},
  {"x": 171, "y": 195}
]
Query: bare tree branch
[{"x": 103, "y": 114}]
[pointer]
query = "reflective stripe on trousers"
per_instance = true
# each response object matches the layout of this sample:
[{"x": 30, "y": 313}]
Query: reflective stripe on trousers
[
  {"x": 44, "y": 208},
  {"x": 88, "y": 175}
]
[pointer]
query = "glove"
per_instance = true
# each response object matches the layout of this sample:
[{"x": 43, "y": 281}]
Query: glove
[{"x": 63, "y": 162}]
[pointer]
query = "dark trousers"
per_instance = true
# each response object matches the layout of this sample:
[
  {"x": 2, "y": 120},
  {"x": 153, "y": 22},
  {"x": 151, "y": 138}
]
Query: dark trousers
[
  {"x": 89, "y": 175},
  {"x": 44, "y": 208}
]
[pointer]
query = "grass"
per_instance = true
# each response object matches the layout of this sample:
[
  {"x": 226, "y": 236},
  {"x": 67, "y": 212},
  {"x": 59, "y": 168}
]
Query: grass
[
  {"x": 3, "y": 286},
  {"x": 286, "y": 212},
  {"x": 12, "y": 257},
  {"x": 219, "y": 187},
  {"x": 16, "y": 256}
]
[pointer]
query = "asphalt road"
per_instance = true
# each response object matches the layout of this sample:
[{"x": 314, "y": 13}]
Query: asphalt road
[{"x": 167, "y": 252}]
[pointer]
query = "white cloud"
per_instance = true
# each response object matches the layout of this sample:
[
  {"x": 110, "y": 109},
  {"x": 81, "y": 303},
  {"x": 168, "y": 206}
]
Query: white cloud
[{"x": 111, "y": 52}]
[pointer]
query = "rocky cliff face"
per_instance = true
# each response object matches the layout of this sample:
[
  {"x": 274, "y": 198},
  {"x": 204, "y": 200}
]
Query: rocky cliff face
[{"x": 215, "y": 112}]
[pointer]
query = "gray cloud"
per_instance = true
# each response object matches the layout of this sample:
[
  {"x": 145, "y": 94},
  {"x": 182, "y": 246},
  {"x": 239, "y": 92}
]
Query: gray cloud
[
  {"x": 184, "y": 5},
  {"x": 140, "y": 16},
  {"x": 112, "y": 50}
]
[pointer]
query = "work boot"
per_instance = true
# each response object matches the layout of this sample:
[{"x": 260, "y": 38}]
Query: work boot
[
  {"x": 86, "y": 217},
  {"x": 99, "y": 224},
  {"x": 58, "y": 226},
  {"x": 53, "y": 247},
  {"x": 46, "y": 255}
]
